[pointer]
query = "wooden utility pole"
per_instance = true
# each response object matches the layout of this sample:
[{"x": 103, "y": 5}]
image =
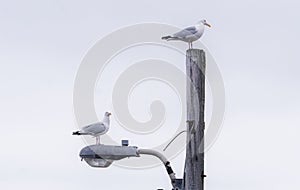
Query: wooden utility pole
[{"x": 194, "y": 163}]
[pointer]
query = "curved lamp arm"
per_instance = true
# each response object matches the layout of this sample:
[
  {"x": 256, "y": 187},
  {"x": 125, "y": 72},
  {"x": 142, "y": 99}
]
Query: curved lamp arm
[{"x": 163, "y": 159}]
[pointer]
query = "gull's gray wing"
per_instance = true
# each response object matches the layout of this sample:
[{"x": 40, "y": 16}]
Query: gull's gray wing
[
  {"x": 94, "y": 129},
  {"x": 186, "y": 32}
]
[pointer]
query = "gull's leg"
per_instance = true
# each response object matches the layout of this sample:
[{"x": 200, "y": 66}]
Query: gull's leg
[
  {"x": 192, "y": 45},
  {"x": 97, "y": 140}
]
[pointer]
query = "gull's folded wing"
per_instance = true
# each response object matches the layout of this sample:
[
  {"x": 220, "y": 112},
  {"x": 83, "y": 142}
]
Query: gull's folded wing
[
  {"x": 94, "y": 128},
  {"x": 186, "y": 32}
]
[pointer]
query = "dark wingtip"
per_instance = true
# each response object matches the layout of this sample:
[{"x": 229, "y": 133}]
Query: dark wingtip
[
  {"x": 76, "y": 133},
  {"x": 165, "y": 37}
]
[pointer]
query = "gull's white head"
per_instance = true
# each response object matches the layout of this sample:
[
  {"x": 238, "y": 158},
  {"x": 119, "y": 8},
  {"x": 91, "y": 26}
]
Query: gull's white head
[
  {"x": 204, "y": 22},
  {"x": 107, "y": 114}
]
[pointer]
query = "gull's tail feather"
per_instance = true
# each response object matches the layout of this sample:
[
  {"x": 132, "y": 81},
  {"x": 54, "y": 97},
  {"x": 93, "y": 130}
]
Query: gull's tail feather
[
  {"x": 168, "y": 38},
  {"x": 76, "y": 133}
]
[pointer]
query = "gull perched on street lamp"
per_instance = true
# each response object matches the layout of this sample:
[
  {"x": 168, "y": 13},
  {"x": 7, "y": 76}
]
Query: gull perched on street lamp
[
  {"x": 96, "y": 129},
  {"x": 189, "y": 34}
]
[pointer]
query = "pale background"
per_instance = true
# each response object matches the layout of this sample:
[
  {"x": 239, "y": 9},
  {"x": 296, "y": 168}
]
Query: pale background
[{"x": 255, "y": 44}]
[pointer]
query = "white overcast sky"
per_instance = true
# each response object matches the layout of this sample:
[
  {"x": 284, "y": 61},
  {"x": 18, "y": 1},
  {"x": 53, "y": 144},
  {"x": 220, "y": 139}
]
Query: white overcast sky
[{"x": 254, "y": 42}]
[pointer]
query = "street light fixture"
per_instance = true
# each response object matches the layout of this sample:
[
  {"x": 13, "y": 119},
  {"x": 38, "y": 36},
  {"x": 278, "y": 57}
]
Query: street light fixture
[{"x": 102, "y": 156}]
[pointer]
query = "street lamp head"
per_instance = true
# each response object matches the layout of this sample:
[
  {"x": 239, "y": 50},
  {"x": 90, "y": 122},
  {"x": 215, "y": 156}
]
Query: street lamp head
[{"x": 102, "y": 156}]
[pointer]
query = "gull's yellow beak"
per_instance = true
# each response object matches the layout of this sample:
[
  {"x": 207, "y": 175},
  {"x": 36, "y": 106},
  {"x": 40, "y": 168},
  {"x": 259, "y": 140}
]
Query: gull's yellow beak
[
  {"x": 207, "y": 25},
  {"x": 109, "y": 114}
]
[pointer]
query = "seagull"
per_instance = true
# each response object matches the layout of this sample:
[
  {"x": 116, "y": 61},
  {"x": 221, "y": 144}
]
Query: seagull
[
  {"x": 189, "y": 34},
  {"x": 96, "y": 129}
]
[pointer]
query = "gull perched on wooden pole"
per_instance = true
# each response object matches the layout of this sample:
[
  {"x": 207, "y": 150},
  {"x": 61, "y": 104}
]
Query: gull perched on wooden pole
[
  {"x": 189, "y": 34},
  {"x": 96, "y": 129}
]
